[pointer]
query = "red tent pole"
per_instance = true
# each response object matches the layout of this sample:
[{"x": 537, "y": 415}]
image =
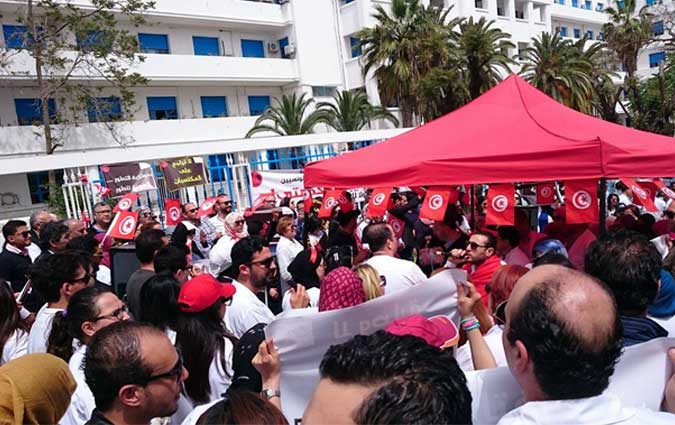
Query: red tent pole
[{"x": 603, "y": 205}]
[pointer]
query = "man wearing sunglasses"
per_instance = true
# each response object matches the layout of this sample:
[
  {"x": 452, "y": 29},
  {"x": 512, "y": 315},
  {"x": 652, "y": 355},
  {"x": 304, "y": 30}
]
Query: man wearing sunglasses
[
  {"x": 479, "y": 259},
  {"x": 190, "y": 227},
  {"x": 222, "y": 207},
  {"x": 134, "y": 373},
  {"x": 14, "y": 259}
]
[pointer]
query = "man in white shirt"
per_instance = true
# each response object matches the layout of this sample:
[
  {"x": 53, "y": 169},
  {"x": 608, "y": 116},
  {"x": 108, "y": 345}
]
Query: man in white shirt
[
  {"x": 562, "y": 339},
  {"x": 223, "y": 207},
  {"x": 399, "y": 274},
  {"x": 508, "y": 240},
  {"x": 253, "y": 269}
]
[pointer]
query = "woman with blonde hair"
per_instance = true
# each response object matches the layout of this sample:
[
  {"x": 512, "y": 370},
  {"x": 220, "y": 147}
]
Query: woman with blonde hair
[{"x": 373, "y": 283}]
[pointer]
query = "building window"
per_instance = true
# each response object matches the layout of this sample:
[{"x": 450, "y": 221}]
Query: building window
[
  {"x": 657, "y": 28},
  {"x": 38, "y": 184},
  {"x": 15, "y": 36},
  {"x": 589, "y": 34},
  {"x": 214, "y": 106},
  {"x": 656, "y": 58},
  {"x": 206, "y": 46},
  {"x": 561, "y": 2},
  {"x": 355, "y": 45},
  {"x": 479, "y": 4},
  {"x": 600, "y": 7},
  {"x": 29, "y": 111},
  {"x": 575, "y": 3},
  {"x": 650, "y": 2},
  {"x": 577, "y": 33},
  {"x": 104, "y": 109},
  {"x": 588, "y": 5},
  {"x": 154, "y": 43},
  {"x": 252, "y": 48},
  {"x": 258, "y": 104},
  {"x": 323, "y": 91},
  {"x": 282, "y": 47},
  {"x": 563, "y": 31},
  {"x": 601, "y": 35},
  {"x": 92, "y": 40},
  {"x": 162, "y": 108},
  {"x": 620, "y": 4},
  {"x": 501, "y": 8}
]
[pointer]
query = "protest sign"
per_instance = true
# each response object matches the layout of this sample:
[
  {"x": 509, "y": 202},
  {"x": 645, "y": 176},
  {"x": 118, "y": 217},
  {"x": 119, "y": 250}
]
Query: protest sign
[
  {"x": 131, "y": 177},
  {"x": 284, "y": 184},
  {"x": 183, "y": 172},
  {"x": 302, "y": 339}
]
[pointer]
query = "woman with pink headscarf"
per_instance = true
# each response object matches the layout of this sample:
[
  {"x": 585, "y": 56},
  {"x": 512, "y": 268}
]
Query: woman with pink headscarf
[
  {"x": 341, "y": 288},
  {"x": 219, "y": 257}
]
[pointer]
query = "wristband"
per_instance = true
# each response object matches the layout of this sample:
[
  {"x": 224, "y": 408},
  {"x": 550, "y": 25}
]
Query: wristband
[
  {"x": 471, "y": 327},
  {"x": 467, "y": 319}
]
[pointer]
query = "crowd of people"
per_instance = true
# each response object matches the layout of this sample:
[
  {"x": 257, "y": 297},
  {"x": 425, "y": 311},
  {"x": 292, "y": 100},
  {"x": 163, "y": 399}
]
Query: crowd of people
[{"x": 183, "y": 340}]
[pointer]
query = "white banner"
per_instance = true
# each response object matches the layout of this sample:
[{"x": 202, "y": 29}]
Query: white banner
[
  {"x": 284, "y": 184},
  {"x": 304, "y": 336}
]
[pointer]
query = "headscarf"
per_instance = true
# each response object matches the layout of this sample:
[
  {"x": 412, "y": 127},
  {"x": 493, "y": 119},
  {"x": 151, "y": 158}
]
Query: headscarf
[
  {"x": 341, "y": 288},
  {"x": 303, "y": 268},
  {"x": 230, "y": 226},
  {"x": 664, "y": 304},
  {"x": 35, "y": 389}
]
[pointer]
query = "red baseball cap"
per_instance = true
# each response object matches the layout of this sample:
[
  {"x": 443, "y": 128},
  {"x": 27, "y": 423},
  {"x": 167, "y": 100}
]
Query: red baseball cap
[
  {"x": 438, "y": 331},
  {"x": 201, "y": 292}
]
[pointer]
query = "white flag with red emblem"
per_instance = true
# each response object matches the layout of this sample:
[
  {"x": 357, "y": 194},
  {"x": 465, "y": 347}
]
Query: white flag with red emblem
[
  {"x": 126, "y": 202},
  {"x": 640, "y": 196},
  {"x": 124, "y": 225},
  {"x": 173, "y": 212}
]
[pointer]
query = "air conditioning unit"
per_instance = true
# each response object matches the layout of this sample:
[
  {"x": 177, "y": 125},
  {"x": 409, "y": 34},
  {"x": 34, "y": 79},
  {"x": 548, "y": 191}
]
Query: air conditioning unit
[
  {"x": 272, "y": 47},
  {"x": 289, "y": 50}
]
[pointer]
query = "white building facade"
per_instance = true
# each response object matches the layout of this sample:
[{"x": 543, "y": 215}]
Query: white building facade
[{"x": 213, "y": 66}]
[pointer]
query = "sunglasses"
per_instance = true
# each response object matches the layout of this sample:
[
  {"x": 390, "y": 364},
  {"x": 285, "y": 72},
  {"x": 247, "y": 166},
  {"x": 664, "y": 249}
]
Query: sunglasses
[
  {"x": 227, "y": 301},
  {"x": 24, "y": 234},
  {"x": 383, "y": 281},
  {"x": 103, "y": 212},
  {"x": 193, "y": 210},
  {"x": 265, "y": 263},
  {"x": 117, "y": 314},
  {"x": 474, "y": 245},
  {"x": 239, "y": 222},
  {"x": 84, "y": 279},
  {"x": 176, "y": 372}
]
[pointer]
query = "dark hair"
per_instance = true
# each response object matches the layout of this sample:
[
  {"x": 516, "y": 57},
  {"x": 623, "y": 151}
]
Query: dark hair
[
  {"x": 303, "y": 269},
  {"x": 51, "y": 233},
  {"x": 159, "y": 298},
  {"x": 10, "y": 320},
  {"x": 243, "y": 251},
  {"x": 242, "y": 407},
  {"x": 170, "y": 258},
  {"x": 11, "y": 226},
  {"x": 413, "y": 381},
  {"x": 567, "y": 364},
  {"x": 86, "y": 244},
  {"x": 48, "y": 274},
  {"x": 553, "y": 258},
  {"x": 67, "y": 325},
  {"x": 376, "y": 235},
  {"x": 200, "y": 337},
  {"x": 491, "y": 241},
  {"x": 509, "y": 234},
  {"x": 312, "y": 224},
  {"x": 629, "y": 265},
  {"x": 114, "y": 359},
  {"x": 620, "y": 186},
  {"x": 609, "y": 198},
  {"x": 148, "y": 243}
]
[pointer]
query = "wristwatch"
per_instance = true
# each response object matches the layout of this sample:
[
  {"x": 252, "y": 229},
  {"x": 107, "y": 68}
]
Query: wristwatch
[{"x": 268, "y": 393}]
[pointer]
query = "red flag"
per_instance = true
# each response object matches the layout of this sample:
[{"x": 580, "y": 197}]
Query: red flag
[
  {"x": 640, "y": 196},
  {"x": 124, "y": 225},
  {"x": 126, "y": 202},
  {"x": 436, "y": 202},
  {"x": 650, "y": 187},
  {"x": 344, "y": 202},
  {"x": 307, "y": 201},
  {"x": 582, "y": 201},
  {"x": 329, "y": 202},
  {"x": 207, "y": 206},
  {"x": 545, "y": 193},
  {"x": 379, "y": 202},
  {"x": 85, "y": 219},
  {"x": 501, "y": 205},
  {"x": 397, "y": 225},
  {"x": 664, "y": 189},
  {"x": 173, "y": 212}
]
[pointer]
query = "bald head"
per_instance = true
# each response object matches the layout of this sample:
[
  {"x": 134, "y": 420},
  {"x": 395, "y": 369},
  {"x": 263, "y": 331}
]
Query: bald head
[{"x": 566, "y": 325}]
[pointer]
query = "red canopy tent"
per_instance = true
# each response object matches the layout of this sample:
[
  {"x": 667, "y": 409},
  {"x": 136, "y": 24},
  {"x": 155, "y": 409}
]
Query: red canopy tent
[{"x": 512, "y": 133}]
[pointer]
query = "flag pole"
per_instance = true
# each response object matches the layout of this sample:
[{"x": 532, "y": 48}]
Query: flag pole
[
  {"x": 112, "y": 224},
  {"x": 603, "y": 205}
]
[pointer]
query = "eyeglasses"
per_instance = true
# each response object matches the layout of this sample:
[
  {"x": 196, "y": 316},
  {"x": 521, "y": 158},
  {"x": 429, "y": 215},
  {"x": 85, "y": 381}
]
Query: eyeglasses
[
  {"x": 227, "y": 301},
  {"x": 474, "y": 245},
  {"x": 192, "y": 210},
  {"x": 147, "y": 214},
  {"x": 84, "y": 279},
  {"x": 267, "y": 262},
  {"x": 117, "y": 314},
  {"x": 239, "y": 222},
  {"x": 383, "y": 281},
  {"x": 176, "y": 372},
  {"x": 24, "y": 234},
  {"x": 103, "y": 212},
  {"x": 224, "y": 202}
]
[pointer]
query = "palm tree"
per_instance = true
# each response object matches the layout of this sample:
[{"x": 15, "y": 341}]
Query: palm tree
[
  {"x": 627, "y": 32},
  {"x": 288, "y": 117},
  {"x": 559, "y": 68},
  {"x": 484, "y": 52},
  {"x": 351, "y": 111}
]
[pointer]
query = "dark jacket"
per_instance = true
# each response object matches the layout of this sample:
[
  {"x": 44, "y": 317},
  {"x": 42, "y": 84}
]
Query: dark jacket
[
  {"x": 97, "y": 418},
  {"x": 14, "y": 269},
  {"x": 638, "y": 329}
]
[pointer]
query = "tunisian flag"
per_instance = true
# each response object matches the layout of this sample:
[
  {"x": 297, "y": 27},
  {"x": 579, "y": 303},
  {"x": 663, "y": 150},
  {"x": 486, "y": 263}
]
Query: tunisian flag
[
  {"x": 207, "y": 206},
  {"x": 545, "y": 193},
  {"x": 582, "y": 201},
  {"x": 173, "y": 213},
  {"x": 330, "y": 200},
  {"x": 664, "y": 189},
  {"x": 640, "y": 196},
  {"x": 124, "y": 225},
  {"x": 379, "y": 202},
  {"x": 501, "y": 205},
  {"x": 126, "y": 202},
  {"x": 436, "y": 202},
  {"x": 397, "y": 225}
]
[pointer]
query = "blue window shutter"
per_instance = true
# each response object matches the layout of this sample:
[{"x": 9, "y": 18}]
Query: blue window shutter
[
  {"x": 657, "y": 28},
  {"x": 258, "y": 104},
  {"x": 92, "y": 39},
  {"x": 656, "y": 58},
  {"x": 283, "y": 43},
  {"x": 109, "y": 109},
  {"x": 154, "y": 43},
  {"x": 162, "y": 108},
  {"x": 15, "y": 36},
  {"x": 563, "y": 31},
  {"x": 206, "y": 46},
  {"x": 29, "y": 111},
  {"x": 252, "y": 48},
  {"x": 589, "y": 33},
  {"x": 577, "y": 33},
  {"x": 587, "y": 4},
  {"x": 214, "y": 106},
  {"x": 575, "y": 3},
  {"x": 355, "y": 45}
]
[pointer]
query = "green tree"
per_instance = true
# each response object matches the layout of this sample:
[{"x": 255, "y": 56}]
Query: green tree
[
  {"x": 351, "y": 111},
  {"x": 442, "y": 90},
  {"x": 657, "y": 98},
  {"x": 483, "y": 50},
  {"x": 288, "y": 117}
]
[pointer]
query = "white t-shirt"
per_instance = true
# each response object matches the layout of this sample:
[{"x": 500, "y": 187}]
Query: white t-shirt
[
  {"x": 287, "y": 250},
  {"x": 193, "y": 417},
  {"x": 313, "y": 299},
  {"x": 400, "y": 274},
  {"x": 220, "y": 256},
  {"x": 246, "y": 311},
  {"x": 15, "y": 346},
  {"x": 493, "y": 339},
  {"x": 82, "y": 402},
  {"x": 218, "y": 224},
  {"x": 42, "y": 327}
]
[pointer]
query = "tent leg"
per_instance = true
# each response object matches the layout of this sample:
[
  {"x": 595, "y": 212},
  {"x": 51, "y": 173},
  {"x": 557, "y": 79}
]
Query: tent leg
[
  {"x": 603, "y": 205},
  {"x": 473, "y": 209}
]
